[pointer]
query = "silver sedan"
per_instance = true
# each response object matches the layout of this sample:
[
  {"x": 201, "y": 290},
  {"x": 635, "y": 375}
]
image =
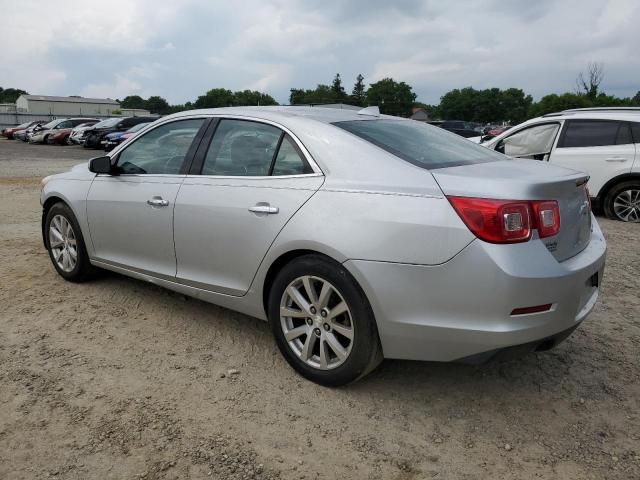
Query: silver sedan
[{"x": 358, "y": 236}]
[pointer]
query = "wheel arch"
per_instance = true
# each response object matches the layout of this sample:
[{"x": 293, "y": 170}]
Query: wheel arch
[
  {"x": 625, "y": 177},
  {"x": 46, "y": 206}
]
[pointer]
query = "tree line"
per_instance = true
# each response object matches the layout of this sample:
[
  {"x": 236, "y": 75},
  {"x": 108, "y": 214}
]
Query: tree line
[{"x": 490, "y": 105}]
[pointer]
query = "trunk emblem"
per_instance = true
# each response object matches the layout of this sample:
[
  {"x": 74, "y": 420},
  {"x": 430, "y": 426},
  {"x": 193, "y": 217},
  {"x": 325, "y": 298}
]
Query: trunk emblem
[{"x": 584, "y": 208}]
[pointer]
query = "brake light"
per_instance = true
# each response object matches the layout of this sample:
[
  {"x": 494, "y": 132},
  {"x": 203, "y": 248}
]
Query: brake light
[
  {"x": 507, "y": 221},
  {"x": 548, "y": 218}
]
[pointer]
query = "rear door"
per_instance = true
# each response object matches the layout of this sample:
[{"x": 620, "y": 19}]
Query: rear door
[
  {"x": 131, "y": 214},
  {"x": 603, "y": 149},
  {"x": 245, "y": 184}
]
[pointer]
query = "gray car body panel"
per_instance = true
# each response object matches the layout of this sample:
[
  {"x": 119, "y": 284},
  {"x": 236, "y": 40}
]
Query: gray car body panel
[{"x": 437, "y": 292}]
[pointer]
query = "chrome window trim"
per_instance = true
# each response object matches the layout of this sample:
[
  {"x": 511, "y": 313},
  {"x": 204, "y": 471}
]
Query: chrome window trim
[
  {"x": 314, "y": 165},
  {"x": 255, "y": 177},
  {"x": 145, "y": 130},
  {"x": 317, "y": 171}
]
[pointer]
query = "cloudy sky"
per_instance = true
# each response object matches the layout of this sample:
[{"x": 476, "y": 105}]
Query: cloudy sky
[{"x": 180, "y": 48}]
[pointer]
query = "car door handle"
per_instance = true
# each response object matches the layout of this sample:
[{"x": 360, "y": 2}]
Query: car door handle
[
  {"x": 264, "y": 208},
  {"x": 158, "y": 202},
  {"x": 616, "y": 159}
]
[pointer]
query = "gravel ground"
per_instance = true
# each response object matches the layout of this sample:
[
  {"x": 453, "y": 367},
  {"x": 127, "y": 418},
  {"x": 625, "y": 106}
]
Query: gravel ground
[{"x": 119, "y": 379}]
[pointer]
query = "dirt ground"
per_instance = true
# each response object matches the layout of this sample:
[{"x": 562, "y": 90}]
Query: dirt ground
[{"x": 119, "y": 379}]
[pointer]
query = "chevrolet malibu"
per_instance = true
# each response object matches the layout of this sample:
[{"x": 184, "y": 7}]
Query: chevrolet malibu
[{"x": 357, "y": 236}]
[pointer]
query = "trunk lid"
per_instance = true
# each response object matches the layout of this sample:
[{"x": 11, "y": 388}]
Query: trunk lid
[{"x": 529, "y": 180}]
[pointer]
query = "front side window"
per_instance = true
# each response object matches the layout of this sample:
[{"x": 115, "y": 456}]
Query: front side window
[
  {"x": 530, "y": 142},
  {"x": 423, "y": 145},
  {"x": 592, "y": 133},
  {"x": 241, "y": 148},
  {"x": 160, "y": 151}
]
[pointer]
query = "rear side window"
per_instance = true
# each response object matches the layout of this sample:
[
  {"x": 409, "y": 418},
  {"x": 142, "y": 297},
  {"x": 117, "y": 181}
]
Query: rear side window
[
  {"x": 635, "y": 130},
  {"x": 289, "y": 160},
  {"x": 423, "y": 145},
  {"x": 594, "y": 133},
  {"x": 241, "y": 148}
]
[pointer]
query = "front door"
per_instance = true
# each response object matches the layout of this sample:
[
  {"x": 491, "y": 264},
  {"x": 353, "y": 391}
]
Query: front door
[
  {"x": 253, "y": 179},
  {"x": 131, "y": 214}
]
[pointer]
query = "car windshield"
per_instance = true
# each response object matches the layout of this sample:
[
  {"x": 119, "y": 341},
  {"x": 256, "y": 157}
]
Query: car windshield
[
  {"x": 422, "y": 145},
  {"x": 23, "y": 125},
  {"x": 51, "y": 124},
  {"x": 109, "y": 122}
]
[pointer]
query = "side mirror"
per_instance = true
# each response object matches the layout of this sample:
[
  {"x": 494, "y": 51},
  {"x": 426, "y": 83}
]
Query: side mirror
[{"x": 101, "y": 165}]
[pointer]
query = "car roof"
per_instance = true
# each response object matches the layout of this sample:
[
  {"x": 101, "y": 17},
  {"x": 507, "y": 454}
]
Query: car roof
[
  {"x": 596, "y": 114},
  {"x": 288, "y": 114}
]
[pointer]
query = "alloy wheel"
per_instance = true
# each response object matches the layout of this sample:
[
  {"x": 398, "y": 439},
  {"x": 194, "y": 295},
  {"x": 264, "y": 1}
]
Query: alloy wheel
[
  {"x": 62, "y": 242},
  {"x": 626, "y": 205},
  {"x": 316, "y": 322}
]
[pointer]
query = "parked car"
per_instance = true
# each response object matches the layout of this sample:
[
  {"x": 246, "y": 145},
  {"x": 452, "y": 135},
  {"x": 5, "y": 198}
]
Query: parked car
[
  {"x": 26, "y": 133},
  {"x": 11, "y": 131},
  {"x": 94, "y": 137},
  {"x": 464, "y": 129},
  {"x": 357, "y": 235},
  {"x": 75, "y": 137},
  {"x": 603, "y": 143},
  {"x": 61, "y": 126},
  {"x": 114, "y": 139}
]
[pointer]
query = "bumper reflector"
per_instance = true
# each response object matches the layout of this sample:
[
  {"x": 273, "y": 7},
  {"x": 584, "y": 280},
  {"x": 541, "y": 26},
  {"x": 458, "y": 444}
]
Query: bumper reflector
[{"x": 535, "y": 309}]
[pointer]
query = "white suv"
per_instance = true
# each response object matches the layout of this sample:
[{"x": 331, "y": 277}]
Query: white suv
[{"x": 603, "y": 142}]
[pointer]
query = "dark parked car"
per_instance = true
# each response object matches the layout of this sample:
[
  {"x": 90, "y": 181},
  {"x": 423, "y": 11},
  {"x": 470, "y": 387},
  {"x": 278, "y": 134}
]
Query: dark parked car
[
  {"x": 462, "y": 128},
  {"x": 113, "y": 139},
  {"x": 95, "y": 137}
]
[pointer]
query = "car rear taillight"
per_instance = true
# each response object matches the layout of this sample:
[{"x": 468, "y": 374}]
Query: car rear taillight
[
  {"x": 548, "y": 218},
  {"x": 507, "y": 221}
]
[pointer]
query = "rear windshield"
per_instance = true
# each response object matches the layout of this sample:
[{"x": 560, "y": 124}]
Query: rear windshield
[{"x": 423, "y": 145}]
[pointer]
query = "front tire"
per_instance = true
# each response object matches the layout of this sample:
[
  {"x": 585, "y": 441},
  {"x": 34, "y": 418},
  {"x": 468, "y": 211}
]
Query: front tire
[
  {"x": 622, "y": 202},
  {"x": 65, "y": 244},
  {"x": 322, "y": 322}
]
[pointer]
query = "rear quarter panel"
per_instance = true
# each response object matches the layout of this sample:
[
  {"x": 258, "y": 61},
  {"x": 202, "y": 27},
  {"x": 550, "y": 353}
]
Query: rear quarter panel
[{"x": 376, "y": 226}]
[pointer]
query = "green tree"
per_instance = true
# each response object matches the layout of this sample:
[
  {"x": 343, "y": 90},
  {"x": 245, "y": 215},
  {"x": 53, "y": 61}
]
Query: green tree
[
  {"x": 358, "y": 94},
  {"x": 393, "y": 98},
  {"x": 485, "y": 106},
  {"x": 252, "y": 98},
  {"x": 133, "y": 101},
  {"x": 555, "y": 103},
  {"x": 338, "y": 90},
  {"x": 156, "y": 104},
  {"x": 10, "y": 95},
  {"x": 215, "y": 98},
  {"x": 320, "y": 95},
  {"x": 589, "y": 85}
]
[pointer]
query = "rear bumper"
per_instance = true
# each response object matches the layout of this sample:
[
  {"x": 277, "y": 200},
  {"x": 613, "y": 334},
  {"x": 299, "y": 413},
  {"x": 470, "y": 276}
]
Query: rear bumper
[{"x": 463, "y": 307}]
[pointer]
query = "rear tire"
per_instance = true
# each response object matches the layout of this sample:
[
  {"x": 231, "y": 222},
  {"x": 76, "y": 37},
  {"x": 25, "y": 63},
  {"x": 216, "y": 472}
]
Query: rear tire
[
  {"x": 66, "y": 246},
  {"x": 321, "y": 344},
  {"x": 622, "y": 202}
]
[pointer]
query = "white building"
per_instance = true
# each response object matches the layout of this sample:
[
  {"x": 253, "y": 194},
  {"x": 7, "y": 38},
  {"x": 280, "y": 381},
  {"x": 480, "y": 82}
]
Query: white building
[
  {"x": 47, "y": 105},
  {"x": 7, "y": 107}
]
